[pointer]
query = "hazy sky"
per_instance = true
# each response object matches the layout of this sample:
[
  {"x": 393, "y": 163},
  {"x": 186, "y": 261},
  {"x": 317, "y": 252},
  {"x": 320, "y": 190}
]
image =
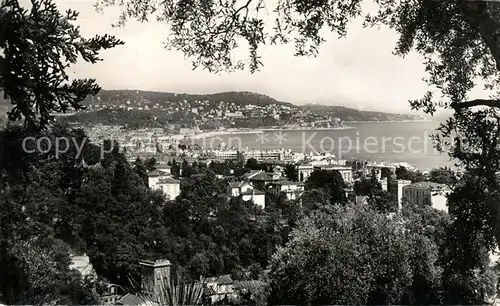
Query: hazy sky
[{"x": 359, "y": 71}]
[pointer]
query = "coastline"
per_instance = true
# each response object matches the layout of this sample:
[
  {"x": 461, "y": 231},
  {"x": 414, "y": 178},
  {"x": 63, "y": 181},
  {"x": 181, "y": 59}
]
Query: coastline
[
  {"x": 209, "y": 134},
  {"x": 394, "y": 121},
  {"x": 338, "y": 128}
]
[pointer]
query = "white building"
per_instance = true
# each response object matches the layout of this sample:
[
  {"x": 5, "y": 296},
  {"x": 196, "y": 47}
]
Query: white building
[
  {"x": 346, "y": 173},
  {"x": 293, "y": 190},
  {"x": 170, "y": 187},
  {"x": 161, "y": 180},
  {"x": 226, "y": 154},
  {"x": 304, "y": 171},
  {"x": 155, "y": 175},
  {"x": 427, "y": 193},
  {"x": 217, "y": 288},
  {"x": 261, "y": 155},
  {"x": 248, "y": 193},
  {"x": 82, "y": 264},
  {"x": 400, "y": 184}
]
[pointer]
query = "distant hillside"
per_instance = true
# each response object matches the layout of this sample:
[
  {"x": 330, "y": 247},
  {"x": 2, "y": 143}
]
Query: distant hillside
[
  {"x": 350, "y": 114},
  {"x": 148, "y": 108},
  {"x": 238, "y": 97},
  {"x": 131, "y": 119}
]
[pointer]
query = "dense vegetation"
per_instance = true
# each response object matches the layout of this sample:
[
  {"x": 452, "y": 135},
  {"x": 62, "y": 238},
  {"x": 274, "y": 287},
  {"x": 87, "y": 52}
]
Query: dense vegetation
[
  {"x": 108, "y": 212},
  {"x": 33, "y": 62},
  {"x": 337, "y": 252}
]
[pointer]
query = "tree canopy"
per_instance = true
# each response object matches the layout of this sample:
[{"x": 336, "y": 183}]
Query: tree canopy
[
  {"x": 350, "y": 252},
  {"x": 459, "y": 40},
  {"x": 37, "y": 45}
]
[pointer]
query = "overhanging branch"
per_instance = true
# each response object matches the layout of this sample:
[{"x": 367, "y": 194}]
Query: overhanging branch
[{"x": 477, "y": 102}]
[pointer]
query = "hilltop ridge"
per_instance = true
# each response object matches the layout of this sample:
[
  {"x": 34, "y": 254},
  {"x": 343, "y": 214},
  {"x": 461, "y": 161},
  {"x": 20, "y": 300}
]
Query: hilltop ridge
[
  {"x": 240, "y": 109},
  {"x": 238, "y": 97}
]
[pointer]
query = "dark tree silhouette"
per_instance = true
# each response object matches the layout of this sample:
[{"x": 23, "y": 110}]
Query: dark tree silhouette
[{"x": 33, "y": 63}]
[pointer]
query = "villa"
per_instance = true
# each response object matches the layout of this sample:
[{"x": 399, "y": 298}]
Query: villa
[
  {"x": 162, "y": 180},
  {"x": 427, "y": 193},
  {"x": 248, "y": 192},
  {"x": 293, "y": 190}
]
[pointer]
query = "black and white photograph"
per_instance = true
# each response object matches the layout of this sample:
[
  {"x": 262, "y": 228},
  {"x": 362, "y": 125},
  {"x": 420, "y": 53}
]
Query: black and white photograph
[{"x": 249, "y": 152}]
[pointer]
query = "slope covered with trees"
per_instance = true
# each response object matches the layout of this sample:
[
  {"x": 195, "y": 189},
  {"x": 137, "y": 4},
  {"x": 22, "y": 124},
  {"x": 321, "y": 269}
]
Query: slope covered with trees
[{"x": 50, "y": 204}]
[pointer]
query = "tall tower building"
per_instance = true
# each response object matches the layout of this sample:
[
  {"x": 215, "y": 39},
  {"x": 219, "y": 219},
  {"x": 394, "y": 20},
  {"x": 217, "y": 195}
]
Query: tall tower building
[
  {"x": 395, "y": 187},
  {"x": 401, "y": 184}
]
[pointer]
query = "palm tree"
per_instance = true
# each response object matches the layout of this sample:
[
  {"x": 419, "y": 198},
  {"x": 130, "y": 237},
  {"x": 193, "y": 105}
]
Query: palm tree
[
  {"x": 179, "y": 292},
  {"x": 175, "y": 291}
]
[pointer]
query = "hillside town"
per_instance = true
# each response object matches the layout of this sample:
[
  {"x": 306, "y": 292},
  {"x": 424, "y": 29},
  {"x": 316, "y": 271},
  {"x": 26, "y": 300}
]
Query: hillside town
[
  {"x": 243, "y": 110},
  {"x": 256, "y": 186},
  {"x": 265, "y": 176},
  {"x": 118, "y": 189},
  {"x": 215, "y": 115}
]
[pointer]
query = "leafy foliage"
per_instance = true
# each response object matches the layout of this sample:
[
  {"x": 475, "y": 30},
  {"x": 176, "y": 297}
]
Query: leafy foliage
[
  {"x": 405, "y": 174},
  {"x": 443, "y": 176},
  {"x": 37, "y": 47},
  {"x": 350, "y": 254},
  {"x": 176, "y": 291},
  {"x": 34, "y": 265},
  {"x": 330, "y": 183}
]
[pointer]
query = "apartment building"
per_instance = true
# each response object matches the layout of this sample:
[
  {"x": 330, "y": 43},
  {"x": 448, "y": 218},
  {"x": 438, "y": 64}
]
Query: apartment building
[{"x": 427, "y": 193}]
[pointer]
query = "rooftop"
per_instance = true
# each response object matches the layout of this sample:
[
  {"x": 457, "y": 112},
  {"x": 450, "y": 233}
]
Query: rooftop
[
  {"x": 220, "y": 280},
  {"x": 287, "y": 182},
  {"x": 168, "y": 180},
  {"x": 253, "y": 192},
  {"x": 262, "y": 176},
  {"x": 162, "y": 166},
  {"x": 251, "y": 173},
  {"x": 156, "y": 173},
  {"x": 155, "y": 263},
  {"x": 428, "y": 185},
  {"x": 237, "y": 184}
]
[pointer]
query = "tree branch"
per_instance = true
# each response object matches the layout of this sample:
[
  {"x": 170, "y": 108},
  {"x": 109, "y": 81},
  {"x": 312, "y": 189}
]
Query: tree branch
[
  {"x": 477, "y": 102},
  {"x": 477, "y": 14}
]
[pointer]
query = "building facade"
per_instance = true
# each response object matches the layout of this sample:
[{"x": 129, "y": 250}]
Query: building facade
[
  {"x": 161, "y": 180},
  {"x": 304, "y": 171},
  {"x": 293, "y": 190},
  {"x": 395, "y": 187},
  {"x": 248, "y": 192},
  {"x": 170, "y": 187},
  {"x": 427, "y": 194}
]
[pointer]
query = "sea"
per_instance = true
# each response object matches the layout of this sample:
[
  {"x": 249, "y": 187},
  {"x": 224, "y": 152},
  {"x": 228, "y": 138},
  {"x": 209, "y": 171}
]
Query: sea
[{"x": 395, "y": 142}]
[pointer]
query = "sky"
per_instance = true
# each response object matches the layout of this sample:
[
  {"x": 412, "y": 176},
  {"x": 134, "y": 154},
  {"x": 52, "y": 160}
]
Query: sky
[{"x": 359, "y": 71}]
